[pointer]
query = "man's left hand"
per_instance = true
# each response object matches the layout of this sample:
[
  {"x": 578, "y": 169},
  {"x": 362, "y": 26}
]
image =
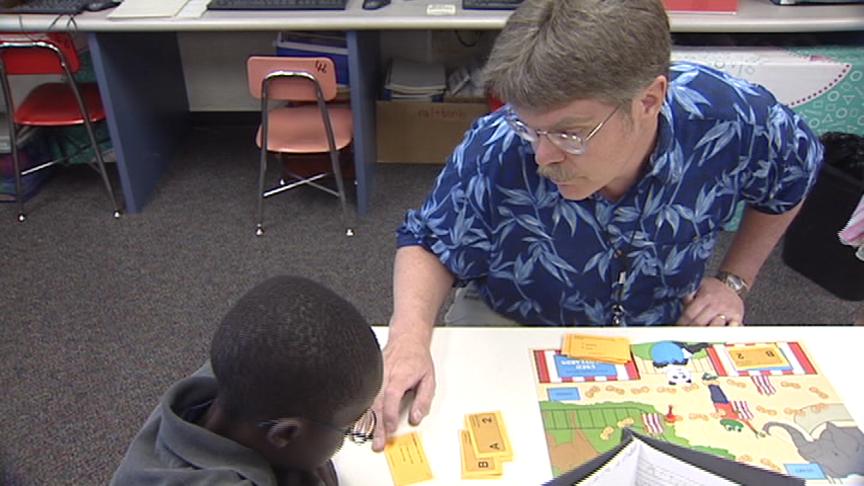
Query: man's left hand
[{"x": 714, "y": 304}]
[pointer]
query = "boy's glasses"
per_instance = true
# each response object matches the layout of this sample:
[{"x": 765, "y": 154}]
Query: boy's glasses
[
  {"x": 571, "y": 143},
  {"x": 359, "y": 432}
]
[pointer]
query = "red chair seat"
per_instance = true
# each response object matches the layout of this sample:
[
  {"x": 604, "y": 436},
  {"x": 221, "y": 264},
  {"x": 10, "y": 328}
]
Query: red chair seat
[
  {"x": 54, "y": 105},
  {"x": 300, "y": 130}
]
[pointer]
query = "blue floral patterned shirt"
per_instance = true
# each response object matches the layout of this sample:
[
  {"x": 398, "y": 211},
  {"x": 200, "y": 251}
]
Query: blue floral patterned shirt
[{"x": 540, "y": 259}]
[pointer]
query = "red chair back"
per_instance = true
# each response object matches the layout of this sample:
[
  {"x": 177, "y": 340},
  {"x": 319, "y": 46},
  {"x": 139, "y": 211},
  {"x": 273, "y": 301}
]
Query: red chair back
[
  {"x": 36, "y": 60},
  {"x": 292, "y": 89}
]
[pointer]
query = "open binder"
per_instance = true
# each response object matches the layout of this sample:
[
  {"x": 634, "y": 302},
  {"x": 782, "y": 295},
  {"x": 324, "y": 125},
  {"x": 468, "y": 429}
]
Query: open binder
[{"x": 642, "y": 460}]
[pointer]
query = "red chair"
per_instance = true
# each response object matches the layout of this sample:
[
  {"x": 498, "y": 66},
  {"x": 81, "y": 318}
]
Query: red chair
[
  {"x": 301, "y": 128},
  {"x": 49, "y": 105}
]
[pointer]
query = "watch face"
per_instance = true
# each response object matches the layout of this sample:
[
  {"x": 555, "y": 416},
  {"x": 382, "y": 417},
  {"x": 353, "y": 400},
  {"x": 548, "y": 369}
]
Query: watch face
[{"x": 734, "y": 282}]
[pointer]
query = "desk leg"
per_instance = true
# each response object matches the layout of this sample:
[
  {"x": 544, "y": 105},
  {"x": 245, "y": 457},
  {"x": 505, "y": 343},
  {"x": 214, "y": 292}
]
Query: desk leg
[
  {"x": 363, "y": 54},
  {"x": 140, "y": 77}
]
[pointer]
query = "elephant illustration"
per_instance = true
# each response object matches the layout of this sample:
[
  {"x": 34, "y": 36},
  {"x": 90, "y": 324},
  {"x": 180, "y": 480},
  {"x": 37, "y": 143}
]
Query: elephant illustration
[{"x": 838, "y": 450}]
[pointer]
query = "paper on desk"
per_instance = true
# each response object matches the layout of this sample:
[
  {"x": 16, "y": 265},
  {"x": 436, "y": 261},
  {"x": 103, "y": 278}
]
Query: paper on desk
[
  {"x": 596, "y": 348},
  {"x": 193, "y": 9},
  {"x": 136, "y": 9}
]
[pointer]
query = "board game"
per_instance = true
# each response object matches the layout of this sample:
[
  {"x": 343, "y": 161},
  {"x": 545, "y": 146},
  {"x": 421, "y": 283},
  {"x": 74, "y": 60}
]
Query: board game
[{"x": 763, "y": 404}]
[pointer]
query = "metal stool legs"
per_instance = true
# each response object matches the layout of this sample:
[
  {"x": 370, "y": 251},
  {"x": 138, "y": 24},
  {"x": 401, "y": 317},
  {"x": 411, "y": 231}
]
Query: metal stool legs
[
  {"x": 13, "y": 141},
  {"x": 262, "y": 170},
  {"x": 100, "y": 161},
  {"x": 340, "y": 185},
  {"x": 264, "y": 142},
  {"x": 13, "y": 137}
]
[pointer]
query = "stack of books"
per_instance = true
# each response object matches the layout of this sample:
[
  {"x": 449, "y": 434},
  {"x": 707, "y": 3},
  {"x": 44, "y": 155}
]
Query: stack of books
[{"x": 414, "y": 81}]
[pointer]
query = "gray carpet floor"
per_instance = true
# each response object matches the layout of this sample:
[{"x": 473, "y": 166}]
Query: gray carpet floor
[{"x": 98, "y": 316}]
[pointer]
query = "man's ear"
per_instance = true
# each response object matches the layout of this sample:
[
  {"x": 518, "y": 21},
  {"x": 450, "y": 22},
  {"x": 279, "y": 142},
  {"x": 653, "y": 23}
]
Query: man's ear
[
  {"x": 285, "y": 431},
  {"x": 652, "y": 98}
]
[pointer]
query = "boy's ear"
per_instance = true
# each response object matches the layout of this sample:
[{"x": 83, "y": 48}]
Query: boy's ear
[{"x": 284, "y": 432}]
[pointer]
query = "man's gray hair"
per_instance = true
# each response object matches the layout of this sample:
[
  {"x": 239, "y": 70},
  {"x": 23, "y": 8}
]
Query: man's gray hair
[{"x": 553, "y": 52}]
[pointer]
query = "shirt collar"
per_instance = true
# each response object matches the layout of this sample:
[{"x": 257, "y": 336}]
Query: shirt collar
[{"x": 666, "y": 162}]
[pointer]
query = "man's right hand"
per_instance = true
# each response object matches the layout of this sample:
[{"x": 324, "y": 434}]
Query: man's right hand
[{"x": 407, "y": 366}]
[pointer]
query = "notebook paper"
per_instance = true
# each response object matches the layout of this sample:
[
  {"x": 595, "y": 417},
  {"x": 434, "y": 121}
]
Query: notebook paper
[{"x": 137, "y": 9}]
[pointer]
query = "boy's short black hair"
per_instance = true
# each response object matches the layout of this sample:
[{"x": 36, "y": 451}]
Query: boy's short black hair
[{"x": 291, "y": 347}]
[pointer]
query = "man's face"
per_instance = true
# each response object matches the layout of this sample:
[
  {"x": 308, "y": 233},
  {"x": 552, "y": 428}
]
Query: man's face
[{"x": 608, "y": 154}]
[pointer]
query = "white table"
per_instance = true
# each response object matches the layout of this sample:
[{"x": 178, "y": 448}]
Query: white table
[{"x": 486, "y": 369}]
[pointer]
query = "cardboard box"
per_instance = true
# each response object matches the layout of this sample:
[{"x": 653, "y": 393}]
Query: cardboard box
[
  {"x": 824, "y": 84},
  {"x": 422, "y": 132}
]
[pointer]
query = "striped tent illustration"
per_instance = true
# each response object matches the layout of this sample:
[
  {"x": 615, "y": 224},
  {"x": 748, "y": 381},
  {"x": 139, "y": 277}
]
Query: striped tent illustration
[
  {"x": 742, "y": 409},
  {"x": 763, "y": 384},
  {"x": 653, "y": 423}
]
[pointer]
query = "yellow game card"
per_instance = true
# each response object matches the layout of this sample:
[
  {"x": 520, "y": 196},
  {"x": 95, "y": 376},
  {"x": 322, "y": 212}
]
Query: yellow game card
[
  {"x": 489, "y": 436},
  {"x": 597, "y": 348},
  {"x": 407, "y": 461},
  {"x": 474, "y": 468},
  {"x": 757, "y": 357}
]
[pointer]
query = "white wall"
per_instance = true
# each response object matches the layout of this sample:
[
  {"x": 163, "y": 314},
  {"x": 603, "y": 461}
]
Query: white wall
[
  {"x": 214, "y": 65},
  {"x": 436, "y": 46}
]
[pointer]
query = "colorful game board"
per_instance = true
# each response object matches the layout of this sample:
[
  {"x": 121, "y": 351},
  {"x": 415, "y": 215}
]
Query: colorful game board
[{"x": 764, "y": 404}]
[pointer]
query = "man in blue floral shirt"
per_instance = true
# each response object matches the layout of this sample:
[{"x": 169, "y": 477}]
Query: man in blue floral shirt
[{"x": 596, "y": 195}]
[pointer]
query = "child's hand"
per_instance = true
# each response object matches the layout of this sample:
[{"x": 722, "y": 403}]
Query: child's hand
[{"x": 327, "y": 474}]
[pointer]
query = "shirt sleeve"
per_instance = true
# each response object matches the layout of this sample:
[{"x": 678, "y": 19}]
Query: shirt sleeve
[
  {"x": 454, "y": 221},
  {"x": 783, "y": 163}
]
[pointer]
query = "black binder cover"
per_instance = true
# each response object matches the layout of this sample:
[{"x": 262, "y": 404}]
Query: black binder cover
[{"x": 733, "y": 471}]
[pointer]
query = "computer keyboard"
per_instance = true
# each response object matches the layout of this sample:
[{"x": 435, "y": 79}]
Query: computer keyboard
[
  {"x": 47, "y": 7},
  {"x": 277, "y": 4},
  {"x": 490, "y": 4}
]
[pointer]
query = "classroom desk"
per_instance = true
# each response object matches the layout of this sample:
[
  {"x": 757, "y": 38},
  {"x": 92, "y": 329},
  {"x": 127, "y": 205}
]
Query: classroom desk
[
  {"x": 139, "y": 72},
  {"x": 486, "y": 369}
]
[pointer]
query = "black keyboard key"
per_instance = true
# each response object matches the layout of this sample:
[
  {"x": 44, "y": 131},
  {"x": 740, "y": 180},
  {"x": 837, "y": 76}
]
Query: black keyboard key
[
  {"x": 277, "y": 4},
  {"x": 47, "y": 7},
  {"x": 491, "y": 4}
]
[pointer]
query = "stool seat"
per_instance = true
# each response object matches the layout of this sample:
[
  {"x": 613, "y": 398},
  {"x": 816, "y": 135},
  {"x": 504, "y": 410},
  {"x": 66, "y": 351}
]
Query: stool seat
[
  {"x": 54, "y": 105},
  {"x": 300, "y": 130}
]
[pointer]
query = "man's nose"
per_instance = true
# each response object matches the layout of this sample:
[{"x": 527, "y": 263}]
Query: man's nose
[{"x": 546, "y": 152}]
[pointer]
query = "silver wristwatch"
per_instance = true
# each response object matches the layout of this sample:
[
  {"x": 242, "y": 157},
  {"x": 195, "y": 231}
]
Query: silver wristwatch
[{"x": 734, "y": 282}]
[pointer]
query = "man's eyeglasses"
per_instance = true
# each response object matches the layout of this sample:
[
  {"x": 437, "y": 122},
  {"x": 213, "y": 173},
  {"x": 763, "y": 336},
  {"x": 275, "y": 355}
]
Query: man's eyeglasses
[
  {"x": 359, "y": 432},
  {"x": 571, "y": 143}
]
